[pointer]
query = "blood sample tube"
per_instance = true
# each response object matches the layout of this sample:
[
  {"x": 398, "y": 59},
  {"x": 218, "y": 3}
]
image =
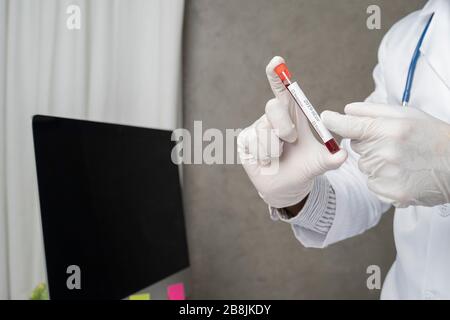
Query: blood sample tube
[{"x": 307, "y": 108}]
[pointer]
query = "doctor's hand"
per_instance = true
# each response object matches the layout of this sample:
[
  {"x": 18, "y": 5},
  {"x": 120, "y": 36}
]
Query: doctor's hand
[
  {"x": 280, "y": 153},
  {"x": 404, "y": 151}
]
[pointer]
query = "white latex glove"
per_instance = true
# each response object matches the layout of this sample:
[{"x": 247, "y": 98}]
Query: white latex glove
[
  {"x": 282, "y": 139},
  {"x": 404, "y": 151}
]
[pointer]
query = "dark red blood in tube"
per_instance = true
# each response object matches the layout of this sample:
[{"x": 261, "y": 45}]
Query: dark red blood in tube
[{"x": 332, "y": 146}]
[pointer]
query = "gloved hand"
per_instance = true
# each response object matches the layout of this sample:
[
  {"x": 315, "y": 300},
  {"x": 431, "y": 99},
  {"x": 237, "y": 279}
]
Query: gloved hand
[
  {"x": 404, "y": 151},
  {"x": 282, "y": 139}
]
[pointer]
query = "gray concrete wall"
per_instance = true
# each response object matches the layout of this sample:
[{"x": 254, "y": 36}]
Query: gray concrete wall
[{"x": 236, "y": 250}]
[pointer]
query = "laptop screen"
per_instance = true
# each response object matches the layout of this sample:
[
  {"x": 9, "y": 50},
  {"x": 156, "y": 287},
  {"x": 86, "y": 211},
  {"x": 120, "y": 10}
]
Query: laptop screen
[{"x": 111, "y": 206}]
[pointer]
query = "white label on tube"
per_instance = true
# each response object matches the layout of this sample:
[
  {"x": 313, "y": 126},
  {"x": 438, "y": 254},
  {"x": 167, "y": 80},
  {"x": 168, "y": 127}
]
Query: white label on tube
[{"x": 310, "y": 112}]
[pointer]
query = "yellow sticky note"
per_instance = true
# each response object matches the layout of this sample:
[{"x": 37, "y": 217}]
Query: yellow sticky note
[{"x": 142, "y": 296}]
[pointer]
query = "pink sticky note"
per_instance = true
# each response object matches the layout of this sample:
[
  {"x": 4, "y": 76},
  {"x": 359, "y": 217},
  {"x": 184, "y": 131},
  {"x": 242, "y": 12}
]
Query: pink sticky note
[{"x": 176, "y": 292}]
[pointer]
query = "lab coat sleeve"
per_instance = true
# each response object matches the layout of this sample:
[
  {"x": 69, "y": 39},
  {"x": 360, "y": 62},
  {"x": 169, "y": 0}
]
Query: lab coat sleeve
[
  {"x": 318, "y": 213},
  {"x": 357, "y": 209}
]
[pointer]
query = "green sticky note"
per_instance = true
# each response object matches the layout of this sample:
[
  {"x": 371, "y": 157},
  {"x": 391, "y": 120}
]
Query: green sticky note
[{"x": 142, "y": 296}]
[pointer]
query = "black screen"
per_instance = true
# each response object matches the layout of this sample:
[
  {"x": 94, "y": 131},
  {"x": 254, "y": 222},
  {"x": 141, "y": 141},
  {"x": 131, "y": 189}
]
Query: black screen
[{"x": 111, "y": 204}]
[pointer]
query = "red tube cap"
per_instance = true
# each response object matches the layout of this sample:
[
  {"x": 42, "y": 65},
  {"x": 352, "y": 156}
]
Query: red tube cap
[{"x": 282, "y": 71}]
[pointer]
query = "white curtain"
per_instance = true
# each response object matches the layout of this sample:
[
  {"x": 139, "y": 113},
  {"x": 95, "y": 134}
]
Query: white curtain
[{"x": 123, "y": 66}]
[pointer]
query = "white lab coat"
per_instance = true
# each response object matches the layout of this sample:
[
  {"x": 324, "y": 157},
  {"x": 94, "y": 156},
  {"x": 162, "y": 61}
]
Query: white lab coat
[{"x": 422, "y": 235}]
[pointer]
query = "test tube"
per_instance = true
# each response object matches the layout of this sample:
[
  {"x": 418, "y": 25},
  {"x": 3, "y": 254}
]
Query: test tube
[{"x": 307, "y": 108}]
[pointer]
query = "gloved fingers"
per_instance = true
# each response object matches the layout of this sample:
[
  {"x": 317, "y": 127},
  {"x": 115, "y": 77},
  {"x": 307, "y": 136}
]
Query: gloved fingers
[
  {"x": 243, "y": 143},
  {"x": 269, "y": 146},
  {"x": 358, "y": 146},
  {"x": 259, "y": 143},
  {"x": 334, "y": 161},
  {"x": 278, "y": 88},
  {"x": 377, "y": 166},
  {"x": 250, "y": 164},
  {"x": 251, "y": 154},
  {"x": 279, "y": 116},
  {"x": 346, "y": 126},
  {"x": 365, "y": 166},
  {"x": 365, "y": 147},
  {"x": 375, "y": 110}
]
